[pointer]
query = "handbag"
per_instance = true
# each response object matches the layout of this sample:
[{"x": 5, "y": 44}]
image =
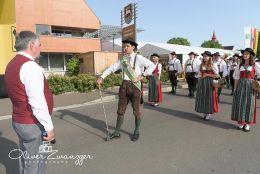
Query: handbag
[
  {"x": 256, "y": 85},
  {"x": 220, "y": 83}
]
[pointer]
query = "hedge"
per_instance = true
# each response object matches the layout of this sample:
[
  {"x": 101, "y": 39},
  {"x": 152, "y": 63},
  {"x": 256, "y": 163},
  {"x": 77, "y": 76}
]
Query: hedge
[
  {"x": 86, "y": 82},
  {"x": 82, "y": 83}
]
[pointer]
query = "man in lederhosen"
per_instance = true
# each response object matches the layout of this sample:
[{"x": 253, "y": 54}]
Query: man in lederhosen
[
  {"x": 174, "y": 69},
  {"x": 222, "y": 69},
  {"x": 191, "y": 68},
  {"x": 132, "y": 65}
]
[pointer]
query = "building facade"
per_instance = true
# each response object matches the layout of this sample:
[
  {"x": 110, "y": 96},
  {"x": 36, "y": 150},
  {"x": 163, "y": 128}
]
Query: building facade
[{"x": 61, "y": 25}]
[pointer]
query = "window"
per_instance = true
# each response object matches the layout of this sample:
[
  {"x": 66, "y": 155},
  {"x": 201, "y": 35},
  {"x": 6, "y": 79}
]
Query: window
[
  {"x": 42, "y": 29},
  {"x": 56, "y": 62},
  {"x": 43, "y": 61},
  {"x": 77, "y": 34},
  {"x": 67, "y": 33},
  {"x": 68, "y": 57},
  {"x": 57, "y": 32}
]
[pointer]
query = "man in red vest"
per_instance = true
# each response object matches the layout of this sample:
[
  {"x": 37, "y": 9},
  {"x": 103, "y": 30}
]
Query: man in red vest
[{"x": 32, "y": 101}]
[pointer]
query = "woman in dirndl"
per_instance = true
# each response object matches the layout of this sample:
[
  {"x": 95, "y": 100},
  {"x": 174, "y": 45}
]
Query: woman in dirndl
[
  {"x": 244, "y": 100},
  {"x": 206, "y": 97},
  {"x": 155, "y": 88}
]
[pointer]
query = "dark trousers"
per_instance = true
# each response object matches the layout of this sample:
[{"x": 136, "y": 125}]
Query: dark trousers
[
  {"x": 220, "y": 89},
  {"x": 173, "y": 78},
  {"x": 191, "y": 81},
  {"x": 231, "y": 80},
  {"x": 129, "y": 92}
]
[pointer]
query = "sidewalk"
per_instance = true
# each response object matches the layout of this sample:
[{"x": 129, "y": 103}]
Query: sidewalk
[{"x": 73, "y": 99}]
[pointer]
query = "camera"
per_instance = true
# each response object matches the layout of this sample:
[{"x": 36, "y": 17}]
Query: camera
[{"x": 45, "y": 147}]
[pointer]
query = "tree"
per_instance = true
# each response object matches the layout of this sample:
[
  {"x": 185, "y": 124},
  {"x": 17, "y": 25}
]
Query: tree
[
  {"x": 179, "y": 41},
  {"x": 211, "y": 44},
  {"x": 73, "y": 66}
]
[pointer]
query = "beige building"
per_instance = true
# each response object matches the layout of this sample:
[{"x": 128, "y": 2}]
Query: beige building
[{"x": 61, "y": 25}]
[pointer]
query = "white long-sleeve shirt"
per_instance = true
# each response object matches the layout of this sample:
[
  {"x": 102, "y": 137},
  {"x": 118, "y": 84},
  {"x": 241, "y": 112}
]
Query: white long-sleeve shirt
[
  {"x": 175, "y": 65},
  {"x": 222, "y": 67},
  {"x": 31, "y": 76},
  {"x": 140, "y": 63},
  {"x": 236, "y": 74},
  {"x": 232, "y": 67},
  {"x": 192, "y": 65}
]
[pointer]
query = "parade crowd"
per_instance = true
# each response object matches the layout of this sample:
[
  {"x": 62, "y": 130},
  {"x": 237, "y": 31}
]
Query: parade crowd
[
  {"x": 33, "y": 101},
  {"x": 205, "y": 77}
]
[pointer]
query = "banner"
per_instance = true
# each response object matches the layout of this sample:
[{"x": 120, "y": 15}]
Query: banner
[
  {"x": 256, "y": 41},
  {"x": 251, "y": 38},
  {"x": 247, "y": 31}
]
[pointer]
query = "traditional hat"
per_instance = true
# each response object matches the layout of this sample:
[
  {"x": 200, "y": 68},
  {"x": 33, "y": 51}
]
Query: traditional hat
[
  {"x": 192, "y": 53},
  {"x": 130, "y": 41},
  {"x": 155, "y": 54},
  {"x": 173, "y": 53},
  {"x": 236, "y": 55},
  {"x": 216, "y": 54},
  {"x": 248, "y": 50},
  {"x": 207, "y": 53}
]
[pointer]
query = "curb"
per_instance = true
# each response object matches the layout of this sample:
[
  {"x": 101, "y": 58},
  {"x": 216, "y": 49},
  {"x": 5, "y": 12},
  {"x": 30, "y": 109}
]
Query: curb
[{"x": 94, "y": 102}]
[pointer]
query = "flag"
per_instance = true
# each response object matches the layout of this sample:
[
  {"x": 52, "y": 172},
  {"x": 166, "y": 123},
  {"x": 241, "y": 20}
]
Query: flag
[
  {"x": 247, "y": 31},
  {"x": 256, "y": 40}
]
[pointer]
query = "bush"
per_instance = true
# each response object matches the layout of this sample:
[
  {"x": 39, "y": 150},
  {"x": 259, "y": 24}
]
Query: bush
[
  {"x": 73, "y": 66},
  {"x": 164, "y": 76},
  {"x": 60, "y": 84},
  {"x": 112, "y": 80},
  {"x": 84, "y": 82}
]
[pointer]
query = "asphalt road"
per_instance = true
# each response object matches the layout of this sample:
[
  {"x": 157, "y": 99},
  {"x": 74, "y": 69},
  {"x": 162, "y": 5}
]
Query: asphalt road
[{"x": 174, "y": 140}]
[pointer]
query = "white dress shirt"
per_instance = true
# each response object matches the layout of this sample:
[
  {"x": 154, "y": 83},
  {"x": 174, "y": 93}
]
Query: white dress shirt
[
  {"x": 232, "y": 67},
  {"x": 194, "y": 65},
  {"x": 236, "y": 74},
  {"x": 31, "y": 76},
  {"x": 175, "y": 65},
  {"x": 140, "y": 63},
  {"x": 222, "y": 66}
]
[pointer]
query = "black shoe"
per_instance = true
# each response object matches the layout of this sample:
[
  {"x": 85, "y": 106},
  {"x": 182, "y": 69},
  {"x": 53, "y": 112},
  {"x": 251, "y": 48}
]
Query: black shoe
[
  {"x": 115, "y": 135},
  {"x": 204, "y": 118},
  {"x": 135, "y": 137}
]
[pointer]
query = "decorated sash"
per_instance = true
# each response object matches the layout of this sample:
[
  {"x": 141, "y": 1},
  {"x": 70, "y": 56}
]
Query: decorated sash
[{"x": 130, "y": 72}]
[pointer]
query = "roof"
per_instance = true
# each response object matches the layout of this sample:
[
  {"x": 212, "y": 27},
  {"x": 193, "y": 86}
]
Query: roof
[
  {"x": 108, "y": 32},
  {"x": 228, "y": 47},
  {"x": 181, "y": 49}
]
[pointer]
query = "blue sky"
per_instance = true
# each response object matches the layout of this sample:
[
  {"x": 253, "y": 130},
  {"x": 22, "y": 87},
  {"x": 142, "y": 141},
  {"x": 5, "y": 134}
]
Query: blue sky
[{"x": 193, "y": 19}]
